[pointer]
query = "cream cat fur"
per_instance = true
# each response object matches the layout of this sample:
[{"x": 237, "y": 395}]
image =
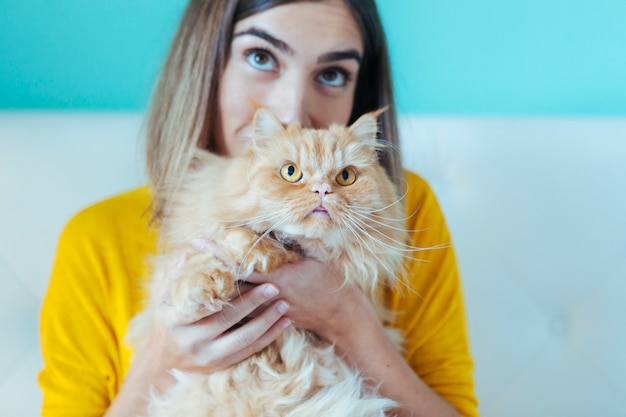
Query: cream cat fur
[{"x": 320, "y": 191}]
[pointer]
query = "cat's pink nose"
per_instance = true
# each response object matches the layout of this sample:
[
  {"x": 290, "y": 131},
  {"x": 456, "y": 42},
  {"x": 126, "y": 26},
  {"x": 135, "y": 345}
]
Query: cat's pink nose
[{"x": 322, "y": 190}]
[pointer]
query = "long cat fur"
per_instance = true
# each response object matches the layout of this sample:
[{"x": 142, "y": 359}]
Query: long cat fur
[{"x": 254, "y": 215}]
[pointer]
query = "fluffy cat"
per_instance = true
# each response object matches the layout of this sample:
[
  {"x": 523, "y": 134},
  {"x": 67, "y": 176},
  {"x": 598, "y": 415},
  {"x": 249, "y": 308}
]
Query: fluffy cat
[{"x": 295, "y": 191}]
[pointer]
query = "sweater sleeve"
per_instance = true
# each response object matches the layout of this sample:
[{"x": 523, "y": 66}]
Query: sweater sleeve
[
  {"x": 76, "y": 332},
  {"x": 92, "y": 294},
  {"x": 431, "y": 310}
]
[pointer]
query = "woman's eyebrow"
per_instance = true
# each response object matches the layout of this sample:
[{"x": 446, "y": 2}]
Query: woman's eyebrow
[
  {"x": 260, "y": 33},
  {"x": 284, "y": 47},
  {"x": 340, "y": 55}
]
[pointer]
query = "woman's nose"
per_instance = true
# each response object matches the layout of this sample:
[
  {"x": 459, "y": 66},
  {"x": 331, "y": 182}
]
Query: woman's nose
[{"x": 290, "y": 104}]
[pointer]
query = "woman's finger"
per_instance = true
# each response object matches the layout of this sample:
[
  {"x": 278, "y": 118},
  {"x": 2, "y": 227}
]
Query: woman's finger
[
  {"x": 242, "y": 287},
  {"x": 245, "y": 304},
  {"x": 262, "y": 342},
  {"x": 239, "y": 308},
  {"x": 252, "y": 336}
]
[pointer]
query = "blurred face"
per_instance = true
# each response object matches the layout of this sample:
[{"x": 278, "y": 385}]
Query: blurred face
[{"x": 300, "y": 60}]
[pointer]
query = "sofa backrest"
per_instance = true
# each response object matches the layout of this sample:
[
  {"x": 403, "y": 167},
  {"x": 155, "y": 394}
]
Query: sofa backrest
[{"x": 536, "y": 207}]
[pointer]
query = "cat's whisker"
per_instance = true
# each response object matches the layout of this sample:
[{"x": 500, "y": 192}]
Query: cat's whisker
[
  {"x": 393, "y": 246},
  {"x": 401, "y": 246},
  {"x": 249, "y": 222},
  {"x": 363, "y": 220},
  {"x": 385, "y": 143},
  {"x": 244, "y": 222},
  {"x": 402, "y": 271},
  {"x": 371, "y": 210},
  {"x": 362, "y": 244},
  {"x": 350, "y": 225},
  {"x": 363, "y": 210},
  {"x": 343, "y": 235},
  {"x": 393, "y": 203},
  {"x": 373, "y": 219},
  {"x": 368, "y": 211}
]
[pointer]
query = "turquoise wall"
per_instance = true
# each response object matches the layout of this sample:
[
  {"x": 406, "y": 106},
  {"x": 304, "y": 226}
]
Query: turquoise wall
[{"x": 484, "y": 57}]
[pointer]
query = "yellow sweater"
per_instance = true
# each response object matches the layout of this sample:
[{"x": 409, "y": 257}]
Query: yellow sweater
[{"x": 95, "y": 289}]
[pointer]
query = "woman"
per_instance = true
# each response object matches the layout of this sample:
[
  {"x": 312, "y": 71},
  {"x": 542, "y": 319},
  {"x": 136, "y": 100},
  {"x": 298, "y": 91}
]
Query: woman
[{"x": 316, "y": 62}]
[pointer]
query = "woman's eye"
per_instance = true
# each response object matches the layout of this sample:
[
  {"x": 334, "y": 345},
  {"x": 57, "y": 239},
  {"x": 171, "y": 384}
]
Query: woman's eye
[
  {"x": 262, "y": 60},
  {"x": 333, "y": 77}
]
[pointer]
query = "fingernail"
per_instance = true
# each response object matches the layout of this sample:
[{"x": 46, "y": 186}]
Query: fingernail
[
  {"x": 282, "y": 307},
  {"x": 285, "y": 323},
  {"x": 270, "y": 291}
]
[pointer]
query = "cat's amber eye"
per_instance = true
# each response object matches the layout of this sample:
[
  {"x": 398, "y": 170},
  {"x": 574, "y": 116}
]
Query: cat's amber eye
[
  {"x": 290, "y": 172},
  {"x": 347, "y": 176}
]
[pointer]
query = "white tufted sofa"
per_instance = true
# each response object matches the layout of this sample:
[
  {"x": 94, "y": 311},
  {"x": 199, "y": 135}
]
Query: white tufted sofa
[{"x": 537, "y": 208}]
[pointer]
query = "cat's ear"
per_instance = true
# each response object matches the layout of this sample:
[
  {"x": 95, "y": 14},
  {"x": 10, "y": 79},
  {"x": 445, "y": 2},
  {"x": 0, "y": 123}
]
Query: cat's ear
[
  {"x": 265, "y": 125},
  {"x": 366, "y": 126}
]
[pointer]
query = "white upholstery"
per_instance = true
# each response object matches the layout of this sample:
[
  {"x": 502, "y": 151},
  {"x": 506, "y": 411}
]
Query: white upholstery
[{"x": 536, "y": 207}]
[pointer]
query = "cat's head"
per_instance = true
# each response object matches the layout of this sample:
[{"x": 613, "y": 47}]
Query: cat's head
[{"x": 320, "y": 183}]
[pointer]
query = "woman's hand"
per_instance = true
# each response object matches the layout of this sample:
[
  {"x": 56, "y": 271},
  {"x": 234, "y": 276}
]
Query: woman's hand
[
  {"x": 319, "y": 298},
  {"x": 340, "y": 313},
  {"x": 208, "y": 342},
  {"x": 205, "y": 343}
]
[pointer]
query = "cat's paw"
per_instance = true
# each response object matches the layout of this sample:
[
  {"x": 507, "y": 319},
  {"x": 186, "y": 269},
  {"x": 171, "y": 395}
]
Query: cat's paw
[
  {"x": 267, "y": 255},
  {"x": 253, "y": 253},
  {"x": 202, "y": 283}
]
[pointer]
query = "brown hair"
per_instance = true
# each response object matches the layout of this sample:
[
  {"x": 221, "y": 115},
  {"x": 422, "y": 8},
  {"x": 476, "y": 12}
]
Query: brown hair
[{"x": 184, "y": 110}]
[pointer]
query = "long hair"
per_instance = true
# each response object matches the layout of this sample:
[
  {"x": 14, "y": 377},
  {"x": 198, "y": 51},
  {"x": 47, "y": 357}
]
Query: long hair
[{"x": 184, "y": 110}]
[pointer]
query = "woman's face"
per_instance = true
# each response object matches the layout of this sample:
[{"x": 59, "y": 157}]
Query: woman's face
[{"x": 300, "y": 60}]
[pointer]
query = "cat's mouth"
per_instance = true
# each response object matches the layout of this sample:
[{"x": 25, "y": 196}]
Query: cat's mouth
[{"x": 319, "y": 212}]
